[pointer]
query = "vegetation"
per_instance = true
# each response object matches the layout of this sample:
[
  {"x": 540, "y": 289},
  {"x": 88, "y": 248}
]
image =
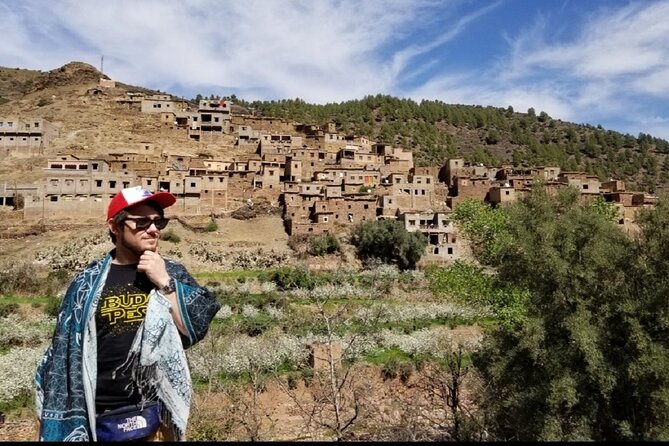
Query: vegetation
[
  {"x": 589, "y": 360},
  {"x": 22, "y": 279},
  {"x": 212, "y": 226},
  {"x": 435, "y": 131},
  {"x": 170, "y": 236},
  {"x": 485, "y": 226},
  {"x": 321, "y": 245},
  {"x": 390, "y": 242}
]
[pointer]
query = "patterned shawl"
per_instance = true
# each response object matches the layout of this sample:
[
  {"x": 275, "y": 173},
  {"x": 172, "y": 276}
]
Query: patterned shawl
[{"x": 66, "y": 377}]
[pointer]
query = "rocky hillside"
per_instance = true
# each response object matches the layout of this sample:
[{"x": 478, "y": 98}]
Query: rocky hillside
[{"x": 90, "y": 121}]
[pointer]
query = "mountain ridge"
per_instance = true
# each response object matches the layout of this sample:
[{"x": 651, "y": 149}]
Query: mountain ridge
[{"x": 92, "y": 123}]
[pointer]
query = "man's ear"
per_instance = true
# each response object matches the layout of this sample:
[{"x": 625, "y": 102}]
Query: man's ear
[{"x": 112, "y": 226}]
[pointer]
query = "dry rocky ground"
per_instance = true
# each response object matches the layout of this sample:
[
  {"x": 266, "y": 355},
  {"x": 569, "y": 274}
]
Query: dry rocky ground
[{"x": 393, "y": 408}]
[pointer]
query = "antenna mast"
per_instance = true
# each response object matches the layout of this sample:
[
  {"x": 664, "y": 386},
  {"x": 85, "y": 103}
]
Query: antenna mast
[{"x": 102, "y": 60}]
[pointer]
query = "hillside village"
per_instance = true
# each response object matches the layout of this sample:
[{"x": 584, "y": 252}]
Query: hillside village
[{"x": 323, "y": 180}]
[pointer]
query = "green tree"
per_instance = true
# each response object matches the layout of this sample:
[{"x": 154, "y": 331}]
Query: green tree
[
  {"x": 389, "y": 241},
  {"x": 607, "y": 209},
  {"x": 591, "y": 359},
  {"x": 485, "y": 226}
]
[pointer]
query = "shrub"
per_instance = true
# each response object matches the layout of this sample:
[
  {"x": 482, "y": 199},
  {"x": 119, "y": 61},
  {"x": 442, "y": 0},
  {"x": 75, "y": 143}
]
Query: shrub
[
  {"x": 287, "y": 278},
  {"x": 17, "y": 369},
  {"x": 389, "y": 241},
  {"x": 19, "y": 278},
  {"x": 18, "y": 331},
  {"x": 7, "y": 309},
  {"x": 211, "y": 226},
  {"x": 56, "y": 281},
  {"x": 170, "y": 236},
  {"x": 53, "y": 307},
  {"x": 394, "y": 368},
  {"x": 324, "y": 244}
]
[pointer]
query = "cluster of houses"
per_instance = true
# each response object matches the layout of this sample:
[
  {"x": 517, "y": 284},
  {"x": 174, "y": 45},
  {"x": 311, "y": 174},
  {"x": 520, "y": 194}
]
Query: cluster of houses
[{"x": 324, "y": 180}]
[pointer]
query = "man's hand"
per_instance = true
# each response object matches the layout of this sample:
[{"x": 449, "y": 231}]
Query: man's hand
[{"x": 153, "y": 265}]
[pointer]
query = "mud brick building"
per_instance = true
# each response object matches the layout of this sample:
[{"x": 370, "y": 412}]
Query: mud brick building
[
  {"x": 25, "y": 137},
  {"x": 325, "y": 181}
]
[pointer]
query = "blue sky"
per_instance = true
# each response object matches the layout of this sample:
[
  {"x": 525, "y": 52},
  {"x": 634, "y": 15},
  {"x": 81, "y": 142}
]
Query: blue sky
[{"x": 597, "y": 61}]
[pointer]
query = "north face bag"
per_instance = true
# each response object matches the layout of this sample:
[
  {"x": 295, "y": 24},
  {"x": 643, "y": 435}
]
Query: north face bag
[{"x": 128, "y": 422}]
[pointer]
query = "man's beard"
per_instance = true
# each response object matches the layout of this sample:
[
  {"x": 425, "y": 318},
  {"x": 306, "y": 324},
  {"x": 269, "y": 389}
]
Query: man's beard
[{"x": 135, "y": 249}]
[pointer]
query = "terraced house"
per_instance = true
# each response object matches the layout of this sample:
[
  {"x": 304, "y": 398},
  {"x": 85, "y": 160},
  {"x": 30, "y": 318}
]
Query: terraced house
[{"x": 325, "y": 181}]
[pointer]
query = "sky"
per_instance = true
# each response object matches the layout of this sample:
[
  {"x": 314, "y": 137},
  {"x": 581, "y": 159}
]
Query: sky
[{"x": 599, "y": 62}]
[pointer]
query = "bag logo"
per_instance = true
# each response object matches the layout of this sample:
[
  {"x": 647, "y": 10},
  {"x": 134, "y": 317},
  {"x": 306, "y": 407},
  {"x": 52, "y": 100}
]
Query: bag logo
[{"x": 132, "y": 424}]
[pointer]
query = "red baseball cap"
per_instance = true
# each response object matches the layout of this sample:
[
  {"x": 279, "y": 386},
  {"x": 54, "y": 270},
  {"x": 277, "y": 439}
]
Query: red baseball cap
[{"x": 133, "y": 195}]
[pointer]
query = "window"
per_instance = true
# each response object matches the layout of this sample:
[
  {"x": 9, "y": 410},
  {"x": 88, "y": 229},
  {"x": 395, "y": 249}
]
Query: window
[
  {"x": 10, "y": 124},
  {"x": 366, "y": 206},
  {"x": 112, "y": 184},
  {"x": 54, "y": 198},
  {"x": 126, "y": 184},
  {"x": 585, "y": 187},
  {"x": 95, "y": 166},
  {"x": 412, "y": 222},
  {"x": 98, "y": 183},
  {"x": 507, "y": 192},
  {"x": 125, "y": 166},
  {"x": 148, "y": 182},
  {"x": 450, "y": 251},
  {"x": 192, "y": 184},
  {"x": 325, "y": 219},
  {"x": 1, "y": 123}
]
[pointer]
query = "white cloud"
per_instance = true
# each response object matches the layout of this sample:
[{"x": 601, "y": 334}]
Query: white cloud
[
  {"x": 320, "y": 51},
  {"x": 335, "y": 50}
]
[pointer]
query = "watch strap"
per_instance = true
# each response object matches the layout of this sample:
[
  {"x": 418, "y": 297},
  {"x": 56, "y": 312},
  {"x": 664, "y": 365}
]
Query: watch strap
[{"x": 169, "y": 288}]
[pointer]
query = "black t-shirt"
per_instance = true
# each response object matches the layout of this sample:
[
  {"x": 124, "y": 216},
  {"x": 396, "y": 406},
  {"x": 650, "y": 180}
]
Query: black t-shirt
[{"x": 121, "y": 310}]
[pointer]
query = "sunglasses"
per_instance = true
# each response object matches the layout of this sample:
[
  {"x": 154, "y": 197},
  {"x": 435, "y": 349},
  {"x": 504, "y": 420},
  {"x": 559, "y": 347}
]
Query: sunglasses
[{"x": 146, "y": 222}]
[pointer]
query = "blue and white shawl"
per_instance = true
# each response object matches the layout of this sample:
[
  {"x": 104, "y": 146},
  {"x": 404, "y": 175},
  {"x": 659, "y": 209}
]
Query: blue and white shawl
[{"x": 66, "y": 377}]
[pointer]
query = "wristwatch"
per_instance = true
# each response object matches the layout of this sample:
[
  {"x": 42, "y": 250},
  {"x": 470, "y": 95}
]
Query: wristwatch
[{"x": 169, "y": 288}]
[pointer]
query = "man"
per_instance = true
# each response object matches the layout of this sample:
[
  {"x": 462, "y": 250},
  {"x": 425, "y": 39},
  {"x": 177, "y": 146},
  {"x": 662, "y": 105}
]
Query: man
[{"x": 120, "y": 335}]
